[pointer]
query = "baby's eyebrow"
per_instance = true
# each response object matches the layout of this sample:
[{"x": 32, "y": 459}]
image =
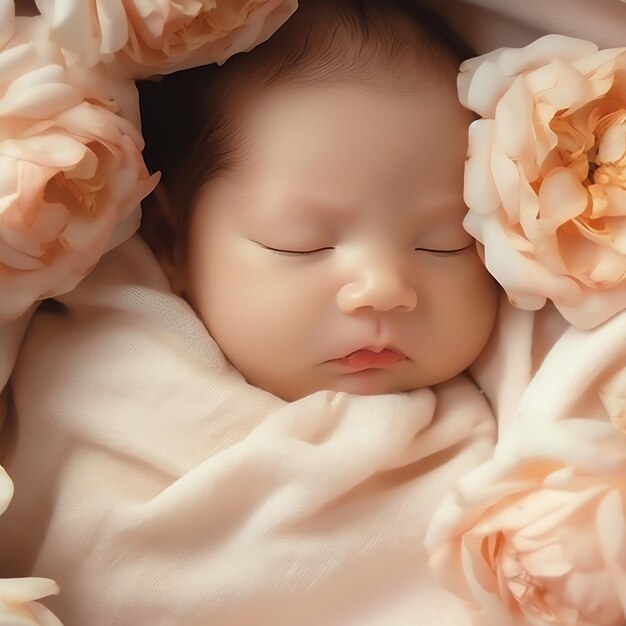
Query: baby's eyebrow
[
  {"x": 440, "y": 201},
  {"x": 303, "y": 206}
]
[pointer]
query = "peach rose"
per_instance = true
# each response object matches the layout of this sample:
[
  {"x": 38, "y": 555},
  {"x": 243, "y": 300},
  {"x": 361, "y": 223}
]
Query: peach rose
[
  {"x": 71, "y": 170},
  {"x": 145, "y": 37},
  {"x": 537, "y": 535},
  {"x": 546, "y": 174}
]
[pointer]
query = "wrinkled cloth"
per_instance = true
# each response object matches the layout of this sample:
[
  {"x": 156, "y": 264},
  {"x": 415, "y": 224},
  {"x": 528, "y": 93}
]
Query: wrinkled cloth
[{"x": 157, "y": 487}]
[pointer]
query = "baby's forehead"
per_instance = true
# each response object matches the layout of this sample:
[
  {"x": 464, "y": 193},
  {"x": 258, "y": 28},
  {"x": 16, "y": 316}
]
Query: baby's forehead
[{"x": 323, "y": 147}]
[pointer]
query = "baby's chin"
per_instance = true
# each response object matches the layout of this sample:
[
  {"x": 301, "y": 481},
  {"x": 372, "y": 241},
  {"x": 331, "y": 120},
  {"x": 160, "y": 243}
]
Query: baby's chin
[
  {"x": 368, "y": 382},
  {"x": 372, "y": 382}
]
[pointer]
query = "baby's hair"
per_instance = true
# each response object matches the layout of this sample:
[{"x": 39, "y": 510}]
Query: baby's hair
[{"x": 190, "y": 118}]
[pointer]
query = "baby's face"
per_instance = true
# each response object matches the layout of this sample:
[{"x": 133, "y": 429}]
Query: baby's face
[{"x": 341, "y": 234}]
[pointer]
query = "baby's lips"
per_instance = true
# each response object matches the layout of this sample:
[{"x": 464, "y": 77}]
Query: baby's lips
[{"x": 372, "y": 358}]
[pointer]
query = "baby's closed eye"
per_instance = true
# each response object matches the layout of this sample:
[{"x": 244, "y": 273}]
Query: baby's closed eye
[
  {"x": 444, "y": 251},
  {"x": 295, "y": 250}
]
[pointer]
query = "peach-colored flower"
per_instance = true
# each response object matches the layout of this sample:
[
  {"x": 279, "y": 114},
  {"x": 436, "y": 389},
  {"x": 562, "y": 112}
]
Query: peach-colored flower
[
  {"x": 71, "y": 170},
  {"x": 145, "y": 37},
  {"x": 538, "y": 534},
  {"x": 546, "y": 174}
]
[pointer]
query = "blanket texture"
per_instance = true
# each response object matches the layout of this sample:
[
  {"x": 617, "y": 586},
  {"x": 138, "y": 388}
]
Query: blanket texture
[{"x": 155, "y": 486}]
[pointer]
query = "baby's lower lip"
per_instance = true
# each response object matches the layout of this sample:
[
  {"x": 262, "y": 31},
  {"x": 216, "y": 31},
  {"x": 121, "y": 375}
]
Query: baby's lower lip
[{"x": 363, "y": 359}]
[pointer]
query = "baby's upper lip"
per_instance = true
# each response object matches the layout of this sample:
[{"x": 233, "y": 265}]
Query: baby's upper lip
[
  {"x": 381, "y": 348},
  {"x": 375, "y": 348}
]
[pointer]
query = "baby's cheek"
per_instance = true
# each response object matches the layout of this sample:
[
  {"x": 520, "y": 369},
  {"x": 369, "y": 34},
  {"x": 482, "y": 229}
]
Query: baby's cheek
[
  {"x": 254, "y": 309},
  {"x": 470, "y": 303},
  {"x": 473, "y": 273},
  {"x": 480, "y": 306}
]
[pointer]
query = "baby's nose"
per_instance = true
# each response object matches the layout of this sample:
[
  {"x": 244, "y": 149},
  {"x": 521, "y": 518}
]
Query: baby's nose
[{"x": 381, "y": 287}]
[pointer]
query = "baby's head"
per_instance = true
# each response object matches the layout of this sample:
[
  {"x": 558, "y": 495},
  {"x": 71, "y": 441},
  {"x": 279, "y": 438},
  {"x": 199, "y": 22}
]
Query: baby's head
[{"x": 314, "y": 196}]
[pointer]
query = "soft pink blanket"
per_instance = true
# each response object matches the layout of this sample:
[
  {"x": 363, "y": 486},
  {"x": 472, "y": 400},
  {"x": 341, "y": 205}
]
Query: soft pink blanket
[{"x": 157, "y": 487}]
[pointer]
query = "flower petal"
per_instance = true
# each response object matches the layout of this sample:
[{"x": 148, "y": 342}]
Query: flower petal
[
  {"x": 562, "y": 197},
  {"x": 39, "y": 93},
  {"x": 480, "y": 192}
]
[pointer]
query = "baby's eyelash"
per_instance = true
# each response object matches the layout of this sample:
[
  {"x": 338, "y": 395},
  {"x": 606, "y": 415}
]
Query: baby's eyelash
[
  {"x": 445, "y": 252},
  {"x": 294, "y": 252}
]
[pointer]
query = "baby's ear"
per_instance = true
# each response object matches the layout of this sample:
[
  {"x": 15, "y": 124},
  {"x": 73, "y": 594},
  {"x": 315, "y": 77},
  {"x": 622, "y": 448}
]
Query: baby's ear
[{"x": 160, "y": 226}]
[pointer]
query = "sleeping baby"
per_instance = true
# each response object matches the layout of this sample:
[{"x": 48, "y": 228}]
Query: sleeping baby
[
  {"x": 314, "y": 190},
  {"x": 269, "y": 448}
]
